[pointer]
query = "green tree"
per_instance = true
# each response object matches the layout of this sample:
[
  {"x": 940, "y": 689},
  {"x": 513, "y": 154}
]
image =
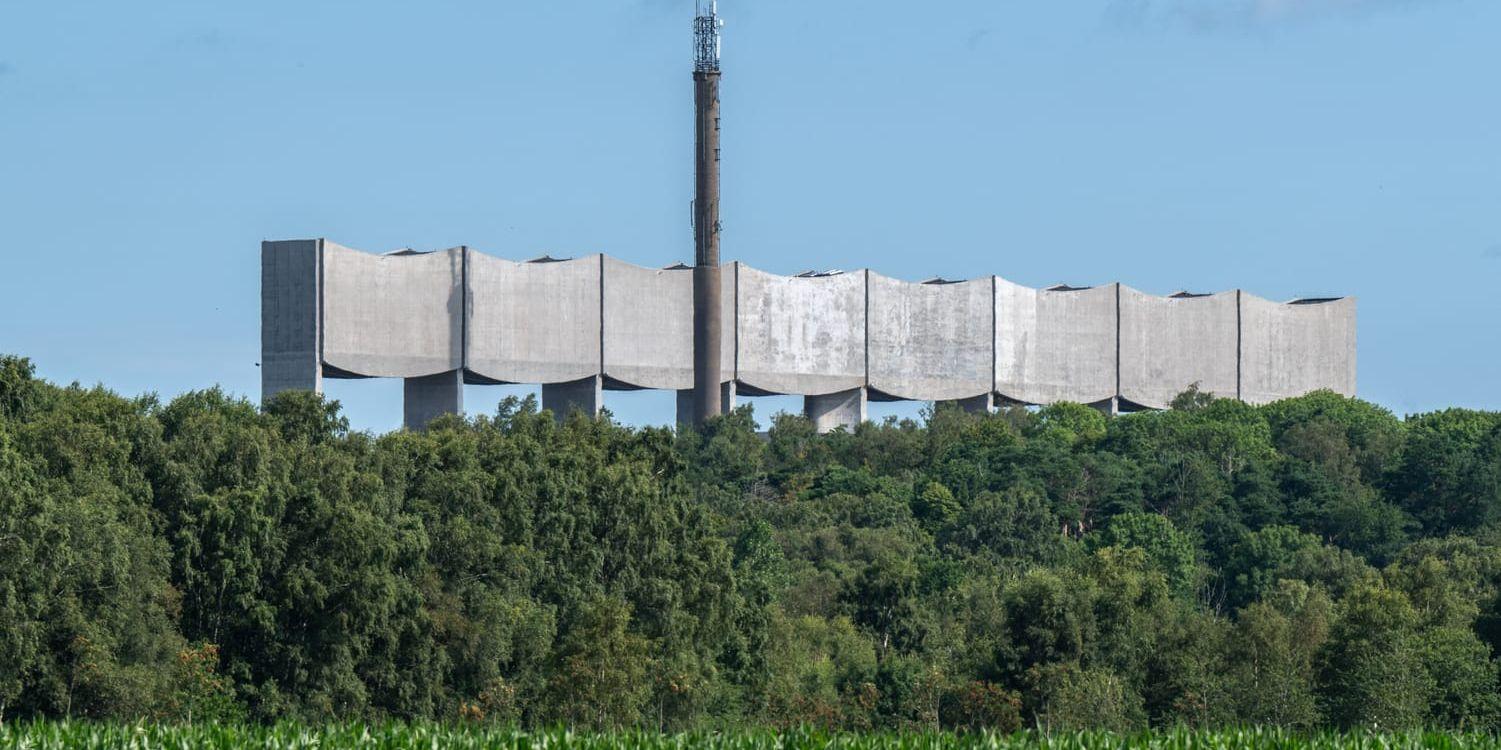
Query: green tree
[
  {"x": 1441, "y": 477},
  {"x": 1263, "y": 558},
  {"x": 1373, "y": 663},
  {"x": 1274, "y": 650},
  {"x": 600, "y": 678},
  {"x": 1169, "y": 550},
  {"x": 1074, "y": 699}
]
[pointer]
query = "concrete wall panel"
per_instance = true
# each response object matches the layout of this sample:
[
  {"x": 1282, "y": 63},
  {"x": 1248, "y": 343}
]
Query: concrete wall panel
[
  {"x": 1055, "y": 345},
  {"x": 800, "y": 335},
  {"x": 290, "y": 290},
  {"x": 329, "y": 308},
  {"x": 648, "y": 325},
  {"x": 395, "y": 316},
  {"x": 534, "y": 322},
  {"x": 931, "y": 342},
  {"x": 1288, "y": 350},
  {"x": 1170, "y": 343}
]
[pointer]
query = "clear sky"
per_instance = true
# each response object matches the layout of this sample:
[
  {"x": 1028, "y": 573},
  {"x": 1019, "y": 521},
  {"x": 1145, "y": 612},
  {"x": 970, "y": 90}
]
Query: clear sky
[{"x": 1287, "y": 147}]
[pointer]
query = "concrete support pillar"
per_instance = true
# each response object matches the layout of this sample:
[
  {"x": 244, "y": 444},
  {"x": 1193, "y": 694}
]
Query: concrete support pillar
[
  {"x": 1110, "y": 407},
  {"x": 707, "y": 311},
  {"x": 427, "y": 398},
  {"x": 844, "y": 409},
  {"x": 686, "y": 402},
  {"x": 585, "y": 395},
  {"x": 978, "y": 405},
  {"x": 291, "y": 290}
]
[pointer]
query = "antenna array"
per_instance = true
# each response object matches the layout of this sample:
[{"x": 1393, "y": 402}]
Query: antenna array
[{"x": 706, "y": 41}]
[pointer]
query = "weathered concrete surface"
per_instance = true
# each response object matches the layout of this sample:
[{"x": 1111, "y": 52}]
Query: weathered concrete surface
[
  {"x": 1171, "y": 343},
  {"x": 832, "y": 411},
  {"x": 709, "y": 320},
  {"x": 931, "y": 342},
  {"x": 328, "y": 309},
  {"x": 393, "y": 316},
  {"x": 1054, "y": 346},
  {"x": 800, "y": 335},
  {"x": 648, "y": 325},
  {"x": 708, "y": 341},
  {"x": 429, "y": 397},
  {"x": 290, "y": 292},
  {"x": 534, "y": 322},
  {"x": 585, "y": 395},
  {"x": 1291, "y": 349},
  {"x": 685, "y": 402},
  {"x": 977, "y": 405}
]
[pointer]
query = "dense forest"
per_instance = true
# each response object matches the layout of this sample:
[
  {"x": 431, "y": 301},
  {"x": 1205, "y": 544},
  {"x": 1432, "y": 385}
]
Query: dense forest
[{"x": 1314, "y": 562}]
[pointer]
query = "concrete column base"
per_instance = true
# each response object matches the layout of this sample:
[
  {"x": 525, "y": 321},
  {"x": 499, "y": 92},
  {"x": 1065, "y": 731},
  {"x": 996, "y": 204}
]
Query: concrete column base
[
  {"x": 290, "y": 372},
  {"x": 586, "y": 395},
  {"x": 427, "y": 398},
  {"x": 844, "y": 409},
  {"x": 1110, "y": 407},
  {"x": 978, "y": 405},
  {"x": 685, "y": 402}
]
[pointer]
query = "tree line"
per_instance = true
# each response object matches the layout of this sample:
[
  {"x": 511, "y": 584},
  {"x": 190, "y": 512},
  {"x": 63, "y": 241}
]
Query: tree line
[{"x": 1313, "y": 562}]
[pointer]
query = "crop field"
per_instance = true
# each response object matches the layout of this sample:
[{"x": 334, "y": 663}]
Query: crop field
[{"x": 46, "y": 735}]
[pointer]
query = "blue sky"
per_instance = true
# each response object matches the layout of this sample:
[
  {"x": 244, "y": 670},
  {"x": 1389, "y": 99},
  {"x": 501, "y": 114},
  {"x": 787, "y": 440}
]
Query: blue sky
[{"x": 1287, "y": 147}]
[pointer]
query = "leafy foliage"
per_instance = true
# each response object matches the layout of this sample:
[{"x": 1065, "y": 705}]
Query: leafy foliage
[
  {"x": 1311, "y": 563},
  {"x": 50, "y": 735}
]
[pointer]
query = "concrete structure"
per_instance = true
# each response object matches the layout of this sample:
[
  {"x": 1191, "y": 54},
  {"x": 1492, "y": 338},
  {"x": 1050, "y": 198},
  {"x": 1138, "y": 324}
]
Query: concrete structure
[
  {"x": 708, "y": 320},
  {"x": 563, "y": 399},
  {"x": 648, "y": 326},
  {"x": 1170, "y": 343},
  {"x": 427, "y": 398},
  {"x": 948, "y": 327},
  {"x": 799, "y": 335},
  {"x": 1057, "y": 344},
  {"x": 835, "y": 411},
  {"x": 686, "y": 402},
  {"x": 582, "y": 327},
  {"x": 537, "y": 322},
  {"x": 393, "y": 316},
  {"x": 1296, "y": 347},
  {"x": 291, "y": 317}
]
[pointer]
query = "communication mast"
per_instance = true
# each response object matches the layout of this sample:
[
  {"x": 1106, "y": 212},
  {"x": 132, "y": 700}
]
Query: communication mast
[
  {"x": 708, "y": 381},
  {"x": 706, "y": 39}
]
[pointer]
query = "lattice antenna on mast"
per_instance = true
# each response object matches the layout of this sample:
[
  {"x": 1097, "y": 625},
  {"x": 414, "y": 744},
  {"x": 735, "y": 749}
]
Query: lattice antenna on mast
[{"x": 706, "y": 42}]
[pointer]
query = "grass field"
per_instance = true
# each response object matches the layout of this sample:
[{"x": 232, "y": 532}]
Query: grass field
[{"x": 43, "y": 735}]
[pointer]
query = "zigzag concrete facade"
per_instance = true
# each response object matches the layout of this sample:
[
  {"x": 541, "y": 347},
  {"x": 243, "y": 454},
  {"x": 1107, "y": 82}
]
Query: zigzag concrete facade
[{"x": 585, "y": 326}]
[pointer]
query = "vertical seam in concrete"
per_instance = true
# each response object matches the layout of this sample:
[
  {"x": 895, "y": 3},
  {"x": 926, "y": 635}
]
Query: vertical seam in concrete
[
  {"x": 600, "y": 371},
  {"x": 1239, "y": 348},
  {"x": 318, "y": 327},
  {"x": 1118, "y": 393},
  {"x": 463, "y": 312},
  {"x": 995, "y": 328},
  {"x": 735, "y": 375},
  {"x": 266, "y": 325},
  {"x": 866, "y": 325}
]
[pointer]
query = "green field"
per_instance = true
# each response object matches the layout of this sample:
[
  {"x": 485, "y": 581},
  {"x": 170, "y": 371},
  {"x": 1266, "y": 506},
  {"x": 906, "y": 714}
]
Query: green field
[{"x": 42, "y": 735}]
